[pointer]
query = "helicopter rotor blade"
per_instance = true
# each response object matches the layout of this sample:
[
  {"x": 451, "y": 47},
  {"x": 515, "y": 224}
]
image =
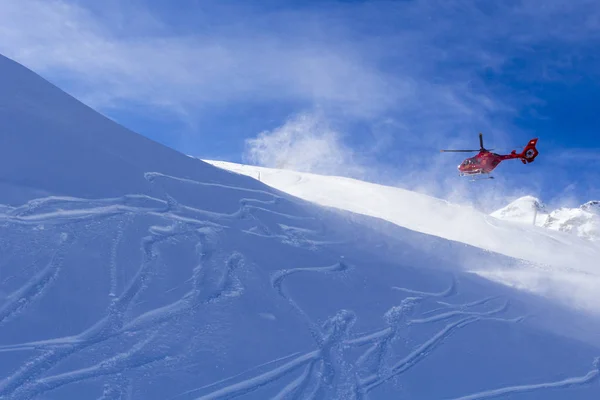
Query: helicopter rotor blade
[
  {"x": 469, "y": 151},
  {"x": 458, "y": 151}
]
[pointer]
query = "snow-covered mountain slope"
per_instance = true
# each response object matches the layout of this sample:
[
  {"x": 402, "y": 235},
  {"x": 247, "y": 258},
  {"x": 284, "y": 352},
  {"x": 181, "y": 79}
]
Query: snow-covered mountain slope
[
  {"x": 433, "y": 216},
  {"x": 575, "y": 220},
  {"x": 527, "y": 209},
  {"x": 130, "y": 271},
  {"x": 583, "y": 221}
]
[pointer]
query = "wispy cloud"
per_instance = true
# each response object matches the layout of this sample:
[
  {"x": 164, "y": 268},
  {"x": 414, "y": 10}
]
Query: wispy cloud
[
  {"x": 184, "y": 72},
  {"x": 302, "y": 56},
  {"x": 583, "y": 156}
]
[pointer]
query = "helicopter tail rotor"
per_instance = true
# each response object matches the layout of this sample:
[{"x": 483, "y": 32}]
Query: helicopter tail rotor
[{"x": 530, "y": 152}]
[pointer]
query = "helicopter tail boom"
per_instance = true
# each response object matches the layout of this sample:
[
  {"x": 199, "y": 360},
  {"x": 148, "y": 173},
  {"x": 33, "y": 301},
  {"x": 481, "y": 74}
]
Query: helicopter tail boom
[{"x": 528, "y": 154}]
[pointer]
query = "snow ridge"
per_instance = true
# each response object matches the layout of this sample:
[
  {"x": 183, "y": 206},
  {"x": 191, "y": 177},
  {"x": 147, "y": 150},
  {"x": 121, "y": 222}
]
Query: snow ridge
[{"x": 421, "y": 213}]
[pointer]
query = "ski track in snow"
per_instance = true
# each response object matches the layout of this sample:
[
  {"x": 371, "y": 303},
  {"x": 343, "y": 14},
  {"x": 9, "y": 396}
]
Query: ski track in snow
[
  {"x": 122, "y": 224},
  {"x": 20, "y": 299},
  {"x": 209, "y": 283},
  {"x": 22, "y": 384},
  {"x": 117, "y": 387},
  {"x": 277, "y": 283},
  {"x": 324, "y": 371},
  {"x": 592, "y": 376},
  {"x": 374, "y": 362}
]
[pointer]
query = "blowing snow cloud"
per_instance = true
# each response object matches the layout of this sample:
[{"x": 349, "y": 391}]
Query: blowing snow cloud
[{"x": 304, "y": 143}]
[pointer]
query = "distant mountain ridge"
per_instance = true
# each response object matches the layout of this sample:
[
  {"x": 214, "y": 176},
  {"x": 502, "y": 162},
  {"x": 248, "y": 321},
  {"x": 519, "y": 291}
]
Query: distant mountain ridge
[{"x": 583, "y": 221}]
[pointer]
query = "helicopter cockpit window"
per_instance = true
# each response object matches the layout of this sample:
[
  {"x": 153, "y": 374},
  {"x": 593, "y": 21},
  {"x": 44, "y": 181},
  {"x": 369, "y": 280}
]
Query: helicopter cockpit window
[{"x": 470, "y": 161}]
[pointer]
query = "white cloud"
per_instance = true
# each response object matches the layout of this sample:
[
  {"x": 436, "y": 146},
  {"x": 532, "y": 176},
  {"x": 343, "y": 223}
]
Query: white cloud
[
  {"x": 312, "y": 58},
  {"x": 321, "y": 57},
  {"x": 184, "y": 72}
]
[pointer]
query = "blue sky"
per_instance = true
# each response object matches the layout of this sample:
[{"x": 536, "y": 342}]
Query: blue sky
[{"x": 370, "y": 89}]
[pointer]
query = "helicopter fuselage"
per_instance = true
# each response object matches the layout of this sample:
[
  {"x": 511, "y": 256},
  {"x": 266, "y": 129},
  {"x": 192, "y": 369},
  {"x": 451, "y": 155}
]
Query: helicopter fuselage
[{"x": 483, "y": 163}]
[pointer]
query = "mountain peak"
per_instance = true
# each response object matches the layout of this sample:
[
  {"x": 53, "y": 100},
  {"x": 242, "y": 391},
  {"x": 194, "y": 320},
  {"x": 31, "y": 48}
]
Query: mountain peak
[
  {"x": 524, "y": 209},
  {"x": 530, "y": 200},
  {"x": 592, "y": 207}
]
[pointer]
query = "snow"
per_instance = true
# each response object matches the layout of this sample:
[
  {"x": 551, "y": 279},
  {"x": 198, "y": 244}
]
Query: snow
[
  {"x": 437, "y": 217},
  {"x": 576, "y": 221},
  {"x": 527, "y": 210},
  {"x": 131, "y": 271},
  {"x": 592, "y": 207},
  {"x": 550, "y": 254},
  {"x": 583, "y": 221}
]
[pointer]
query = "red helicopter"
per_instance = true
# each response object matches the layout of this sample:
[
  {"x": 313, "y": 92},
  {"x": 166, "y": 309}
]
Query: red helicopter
[{"x": 486, "y": 161}]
